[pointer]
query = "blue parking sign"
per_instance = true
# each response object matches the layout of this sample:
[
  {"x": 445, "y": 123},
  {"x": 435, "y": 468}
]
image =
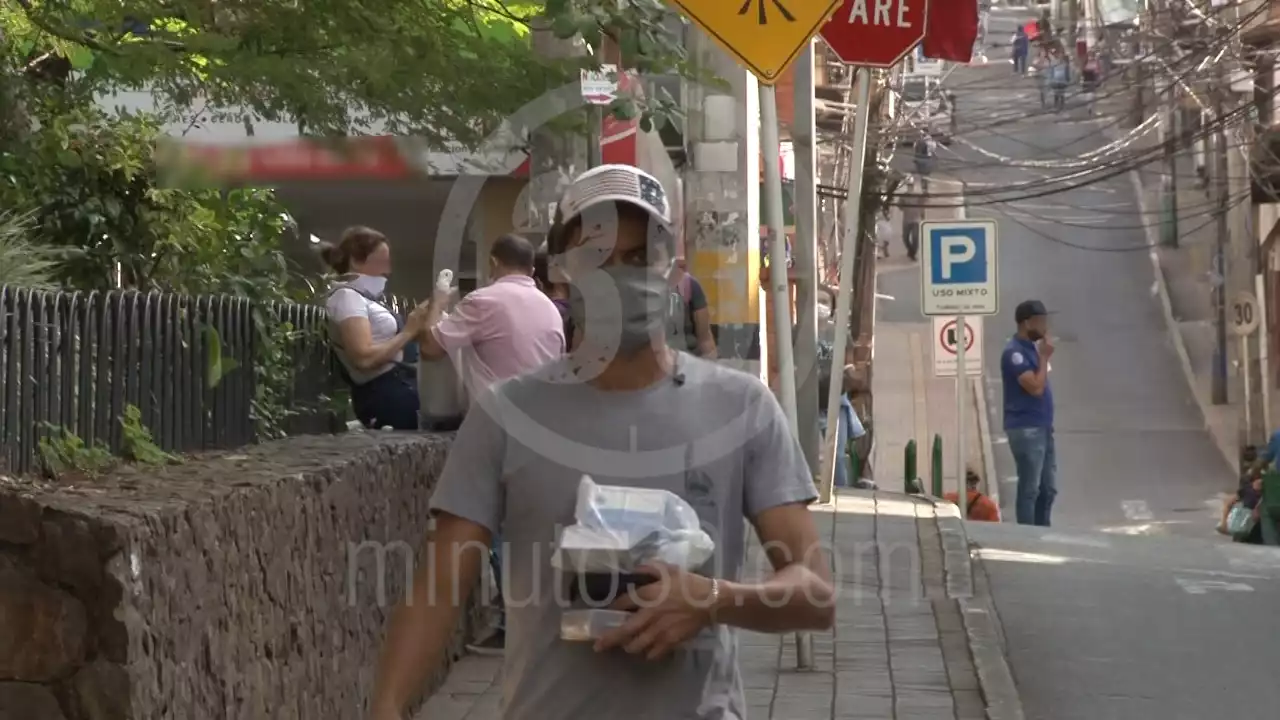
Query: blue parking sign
[{"x": 959, "y": 267}]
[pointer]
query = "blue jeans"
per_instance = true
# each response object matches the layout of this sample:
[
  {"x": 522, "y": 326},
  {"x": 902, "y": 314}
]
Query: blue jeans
[
  {"x": 495, "y": 561},
  {"x": 1037, "y": 466}
]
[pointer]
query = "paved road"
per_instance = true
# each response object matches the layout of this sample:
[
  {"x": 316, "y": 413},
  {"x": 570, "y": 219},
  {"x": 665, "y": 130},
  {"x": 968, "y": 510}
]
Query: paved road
[
  {"x": 1133, "y": 454},
  {"x": 1106, "y": 627},
  {"x": 1130, "y": 607}
]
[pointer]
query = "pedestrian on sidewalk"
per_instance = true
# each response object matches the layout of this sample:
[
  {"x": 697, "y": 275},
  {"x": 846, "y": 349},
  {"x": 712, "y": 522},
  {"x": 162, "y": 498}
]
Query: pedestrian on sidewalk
[
  {"x": 690, "y": 314},
  {"x": 1021, "y": 47},
  {"x": 504, "y": 329},
  {"x": 557, "y": 291},
  {"x": 912, "y": 216},
  {"x": 376, "y": 349},
  {"x": 626, "y": 409},
  {"x": 850, "y": 426},
  {"x": 1028, "y": 412}
]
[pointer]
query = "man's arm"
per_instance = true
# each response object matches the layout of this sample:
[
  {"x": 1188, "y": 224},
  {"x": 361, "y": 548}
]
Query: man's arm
[
  {"x": 800, "y": 594},
  {"x": 465, "y": 326},
  {"x": 1033, "y": 381},
  {"x": 467, "y": 506},
  {"x": 1267, "y": 455},
  {"x": 778, "y": 488},
  {"x": 449, "y": 565}
]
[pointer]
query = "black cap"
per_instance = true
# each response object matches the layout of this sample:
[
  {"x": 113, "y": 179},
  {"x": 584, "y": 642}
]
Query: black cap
[{"x": 1028, "y": 309}]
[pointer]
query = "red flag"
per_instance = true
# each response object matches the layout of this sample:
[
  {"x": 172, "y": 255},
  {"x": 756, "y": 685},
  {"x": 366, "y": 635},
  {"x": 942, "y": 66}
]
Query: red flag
[{"x": 952, "y": 30}]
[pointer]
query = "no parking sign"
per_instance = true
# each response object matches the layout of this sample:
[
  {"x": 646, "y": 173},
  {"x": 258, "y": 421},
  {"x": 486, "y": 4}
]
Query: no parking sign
[{"x": 945, "y": 341}]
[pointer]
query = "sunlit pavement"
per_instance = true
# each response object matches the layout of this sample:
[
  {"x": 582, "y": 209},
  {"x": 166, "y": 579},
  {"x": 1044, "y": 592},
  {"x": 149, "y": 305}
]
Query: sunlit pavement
[
  {"x": 901, "y": 647},
  {"x": 1110, "y": 626}
]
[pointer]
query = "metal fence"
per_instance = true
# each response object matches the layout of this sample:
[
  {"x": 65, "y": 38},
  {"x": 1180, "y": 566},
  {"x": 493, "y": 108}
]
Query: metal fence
[{"x": 76, "y": 361}]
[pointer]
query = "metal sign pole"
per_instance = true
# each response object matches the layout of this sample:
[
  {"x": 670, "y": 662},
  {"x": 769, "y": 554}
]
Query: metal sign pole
[
  {"x": 962, "y": 384},
  {"x": 844, "y": 298},
  {"x": 780, "y": 289},
  {"x": 1264, "y": 354},
  {"x": 1247, "y": 387}
]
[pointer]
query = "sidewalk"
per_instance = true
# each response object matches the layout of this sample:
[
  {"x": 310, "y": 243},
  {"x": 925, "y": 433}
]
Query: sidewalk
[
  {"x": 910, "y": 643},
  {"x": 910, "y": 402},
  {"x": 1184, "y": 283}
]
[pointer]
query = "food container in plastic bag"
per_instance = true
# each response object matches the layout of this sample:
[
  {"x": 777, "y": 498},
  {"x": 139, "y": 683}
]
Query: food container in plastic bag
[{"x": 618, "y": 530}]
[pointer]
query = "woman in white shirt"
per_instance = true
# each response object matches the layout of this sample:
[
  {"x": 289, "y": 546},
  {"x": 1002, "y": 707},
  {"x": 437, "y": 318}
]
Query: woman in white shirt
[{"x": 369, "y": 339}]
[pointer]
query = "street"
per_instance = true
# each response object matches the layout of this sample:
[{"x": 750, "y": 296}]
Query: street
[
  {"x": 1105, "y": 627},
  {"x": 1131, "y": 606},
  {"x": 1133, "y": 453}
]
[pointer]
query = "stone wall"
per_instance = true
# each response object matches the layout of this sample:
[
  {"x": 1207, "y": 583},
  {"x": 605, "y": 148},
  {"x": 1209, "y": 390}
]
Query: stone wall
[{"x": 244, "y": 585}]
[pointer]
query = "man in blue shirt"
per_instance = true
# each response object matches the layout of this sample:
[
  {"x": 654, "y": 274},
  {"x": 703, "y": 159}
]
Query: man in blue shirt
[{"x": 1028, "y": 412}]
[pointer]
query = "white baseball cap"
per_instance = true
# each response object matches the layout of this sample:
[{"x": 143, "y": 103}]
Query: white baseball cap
[{"x": 616, "y": 184}]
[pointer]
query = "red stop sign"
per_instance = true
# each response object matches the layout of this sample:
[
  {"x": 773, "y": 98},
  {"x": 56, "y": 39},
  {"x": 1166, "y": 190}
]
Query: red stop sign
[{"x": 876, "y": 33}]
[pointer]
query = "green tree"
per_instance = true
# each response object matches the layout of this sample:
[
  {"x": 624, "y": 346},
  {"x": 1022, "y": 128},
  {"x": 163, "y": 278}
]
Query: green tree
[{"x": 443, "y": 70}]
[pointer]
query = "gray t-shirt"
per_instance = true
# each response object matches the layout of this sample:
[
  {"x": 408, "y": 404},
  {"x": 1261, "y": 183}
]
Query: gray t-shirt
[{"x": 717, "y": 438}]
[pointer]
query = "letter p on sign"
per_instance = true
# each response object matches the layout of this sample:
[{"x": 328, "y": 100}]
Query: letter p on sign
[
  {"x": 956, "y": 250},
  {"x": 957, "y": 255}
]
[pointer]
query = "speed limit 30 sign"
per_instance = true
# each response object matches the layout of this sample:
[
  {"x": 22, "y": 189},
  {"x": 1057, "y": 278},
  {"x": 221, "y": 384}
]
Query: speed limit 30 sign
[{"x": 1244, "y": 314}]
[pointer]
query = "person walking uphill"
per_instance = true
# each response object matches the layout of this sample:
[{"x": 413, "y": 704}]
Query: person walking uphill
[
  {"x": 1021, "y": 49},
  {"x": 628, "y": 410},
  {"x": 1028, "y": 413}
]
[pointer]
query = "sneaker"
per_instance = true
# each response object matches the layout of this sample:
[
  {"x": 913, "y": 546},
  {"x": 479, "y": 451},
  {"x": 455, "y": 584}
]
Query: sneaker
[{"x": 493, "y": 644}]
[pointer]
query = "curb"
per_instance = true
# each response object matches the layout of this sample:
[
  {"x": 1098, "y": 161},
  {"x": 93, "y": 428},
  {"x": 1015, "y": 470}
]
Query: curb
[
  {"x": 1171, "y": 323},
  {"x": 966, "y": 584},
  {"x": 986, "y": 643}
]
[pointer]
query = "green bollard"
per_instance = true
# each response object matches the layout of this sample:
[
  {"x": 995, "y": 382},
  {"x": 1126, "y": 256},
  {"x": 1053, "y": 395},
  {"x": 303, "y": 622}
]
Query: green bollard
[
  {"x": 909, "y": 465},
  {"x": 936, "y": 466}
]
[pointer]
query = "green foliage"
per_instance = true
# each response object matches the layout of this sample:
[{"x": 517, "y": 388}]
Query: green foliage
[
  {"x": 137, "y": 443},
  {"x": 63, "y": 454},
  {"x": 87, "y": 182},
  {"x": 444, "y": 70},
  {"x": 22, "y": 262}
]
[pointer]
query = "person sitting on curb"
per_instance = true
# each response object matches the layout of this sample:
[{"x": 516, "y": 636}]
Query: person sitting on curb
[{"x": 978, "y": 506}]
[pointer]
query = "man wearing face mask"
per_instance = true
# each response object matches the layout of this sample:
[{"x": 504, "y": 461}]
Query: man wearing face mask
[
  {"x": 626, "y": 409},
  {"x": 1028, "y": 413}
]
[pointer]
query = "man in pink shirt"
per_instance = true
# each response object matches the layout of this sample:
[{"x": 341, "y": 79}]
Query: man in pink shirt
[
  {"x": 505, "y": 329},
  {"x": 496, "y": 332}
]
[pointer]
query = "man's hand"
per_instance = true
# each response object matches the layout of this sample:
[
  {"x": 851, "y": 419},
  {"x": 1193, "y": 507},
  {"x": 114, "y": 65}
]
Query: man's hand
[
  {"x": 1046, "y": 349},
  {"x": 417, "y": 320},
  {"x": 667, "y": 613}
]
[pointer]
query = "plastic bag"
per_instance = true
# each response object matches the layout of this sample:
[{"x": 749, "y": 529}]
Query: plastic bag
[
  {"x": 1239, "y": 521},
  {"x": 619, "y": 529}
]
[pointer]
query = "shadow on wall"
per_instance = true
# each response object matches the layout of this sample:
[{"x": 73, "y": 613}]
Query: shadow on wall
[{"x": 248, "y": 584}]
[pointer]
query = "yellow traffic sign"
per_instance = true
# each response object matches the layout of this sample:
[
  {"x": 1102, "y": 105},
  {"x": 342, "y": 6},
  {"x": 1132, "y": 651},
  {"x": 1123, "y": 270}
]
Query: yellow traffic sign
[{"x": 765, "y": 35}]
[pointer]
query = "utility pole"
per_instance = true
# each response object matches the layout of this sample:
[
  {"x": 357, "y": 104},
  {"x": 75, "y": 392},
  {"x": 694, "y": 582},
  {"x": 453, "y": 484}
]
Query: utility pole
[
  {"x": 805, "y": 252},
  {"x": 1172, "y": 138},
  {"x": 1219, "y": 275}
]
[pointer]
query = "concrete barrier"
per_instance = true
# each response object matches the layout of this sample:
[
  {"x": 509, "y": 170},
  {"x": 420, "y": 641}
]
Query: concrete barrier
[{"x": 250, "y": 584}]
